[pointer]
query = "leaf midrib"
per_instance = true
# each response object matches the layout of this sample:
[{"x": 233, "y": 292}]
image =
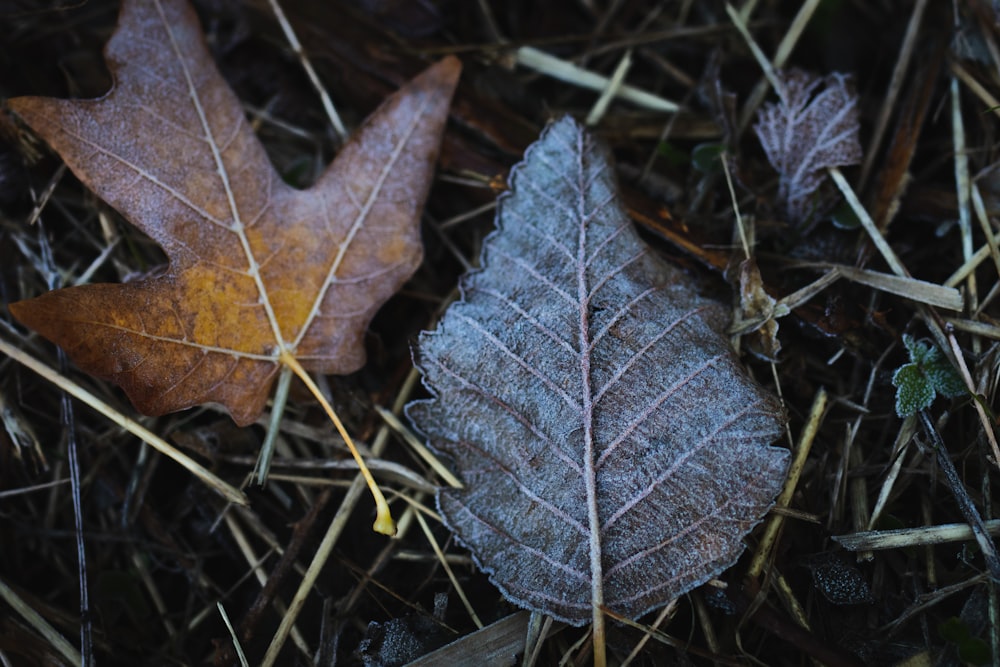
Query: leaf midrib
[
  {"x": 590, "y": 446},
  {"x": 237, "y": 227},
  {"x": 360, "y": 220},
  {"x": 281, "y": 345}
]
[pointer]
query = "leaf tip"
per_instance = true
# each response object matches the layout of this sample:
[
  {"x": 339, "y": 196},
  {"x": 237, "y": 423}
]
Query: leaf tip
[
  {"x": 17, "y": 309},
  {"x": 442, "y": 75},
  {"x": 450, "y": 67}
]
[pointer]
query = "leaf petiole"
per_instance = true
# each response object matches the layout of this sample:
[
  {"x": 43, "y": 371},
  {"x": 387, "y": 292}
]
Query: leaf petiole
[{"x": 383, "y": 517}]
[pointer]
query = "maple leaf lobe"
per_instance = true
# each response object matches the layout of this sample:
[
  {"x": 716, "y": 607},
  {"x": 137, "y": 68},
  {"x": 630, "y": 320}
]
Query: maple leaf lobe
[
  {"x": 256, "y": 266},
  {"x": 601, "y": 424}
]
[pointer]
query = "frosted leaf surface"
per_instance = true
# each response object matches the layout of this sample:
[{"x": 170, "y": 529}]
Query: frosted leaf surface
[
  {"x": 806, "y": 133},
  {"x": 612, "y": 448}
]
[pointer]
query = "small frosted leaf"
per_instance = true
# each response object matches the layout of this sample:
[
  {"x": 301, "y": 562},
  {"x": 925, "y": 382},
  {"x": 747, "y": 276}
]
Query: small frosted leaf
[
  {"x": 612, "y": 448},
  {"x": 920, "y": 352},
  {"x": 940, "y": 373},
  {"x": 913, "y": 391},
  {"x": 946, "y": 379},
  {"x": 757, "y": 313},
  {"x": 928, "y": 374},
  {"x": 805, "y": 134}
]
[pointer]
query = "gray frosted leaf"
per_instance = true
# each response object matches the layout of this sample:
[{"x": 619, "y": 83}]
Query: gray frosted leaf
[
  {"x": 803, "y": 135},
  {"x": 613, "y": 450}
]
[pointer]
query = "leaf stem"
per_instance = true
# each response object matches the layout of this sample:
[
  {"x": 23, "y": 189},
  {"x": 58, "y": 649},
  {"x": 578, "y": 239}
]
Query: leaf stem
[{"x": 383, "y": 517}]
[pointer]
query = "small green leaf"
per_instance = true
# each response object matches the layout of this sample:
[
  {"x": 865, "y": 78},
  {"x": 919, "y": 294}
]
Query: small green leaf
[
  {"x": 945, "y": 378},
  {"x": 920, "y": 352},
  {"x": 928, "y": 374},
  {"x": 914, "y": 391},
  {"x": 705, "y": 157}
]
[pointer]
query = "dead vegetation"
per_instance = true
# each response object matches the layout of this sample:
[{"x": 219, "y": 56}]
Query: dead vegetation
[{"x": 903, "y": 243}]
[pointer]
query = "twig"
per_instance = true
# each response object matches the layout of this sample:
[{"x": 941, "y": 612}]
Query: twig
[
  {"x": 869, "y": 225},
  {"x": 278, "y": 404},
  {"x": 740, "y": 225},
  {"x": 963, "y": 370},
  {"x": 965, "y": 504},
  {"x": 762, "y": 60},
  {"x": 610, "y": 91},
  {"x": 928, "y": 600},
  {"x": 447, "y": 569},
  {"x": 899, "y": 449},
  {"x": 86, "y": 622},
  {"x": 418, "y": 447},
  {"x": 667, "y": 611},
  {"x": 984, "y": 224},
  {"x": 538, "y": 628},
  {"x": 34, "y": 487},
  {"x": 267, "y": 596},
  {"x": 232, "y": 633},
  {"x": 785, "y": 48},
  {"x": 918, "y": 290},
  {"x": 962, "y": 187},
  {"x": 991, "y": 103}
]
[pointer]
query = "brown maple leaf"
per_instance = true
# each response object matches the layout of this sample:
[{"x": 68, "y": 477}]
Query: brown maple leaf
[{"x": 260, "y": 273}]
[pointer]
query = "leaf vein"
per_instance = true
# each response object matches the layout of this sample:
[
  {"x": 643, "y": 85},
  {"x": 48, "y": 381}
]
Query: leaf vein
[
  {"x": 519, "y": 360},
  {"x": 550, "y": 444},
  {"x": 688, "y": 453},
  {"x": 655, "y": 405},
  {"x": 538, "y": 553},
  {"x": 640, "y": 353}
]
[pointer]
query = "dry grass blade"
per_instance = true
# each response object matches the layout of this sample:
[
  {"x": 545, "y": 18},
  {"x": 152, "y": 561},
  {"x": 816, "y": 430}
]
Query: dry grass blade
[
  {"x": 920, "y": 291},
  {"x": 567, "y": 71},
  {"x": 901, "y": 538},
  {"x": 232, "y": 633},
  {"x": 67, "y": 650},
  {"x": 799, "y": 456},
  {"x": 228, "y": 491},
  {"x": 896, "y": 83}
]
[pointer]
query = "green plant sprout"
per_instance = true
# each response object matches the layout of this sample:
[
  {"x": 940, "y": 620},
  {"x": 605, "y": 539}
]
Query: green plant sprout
[{"x": 928, "y": 374}]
